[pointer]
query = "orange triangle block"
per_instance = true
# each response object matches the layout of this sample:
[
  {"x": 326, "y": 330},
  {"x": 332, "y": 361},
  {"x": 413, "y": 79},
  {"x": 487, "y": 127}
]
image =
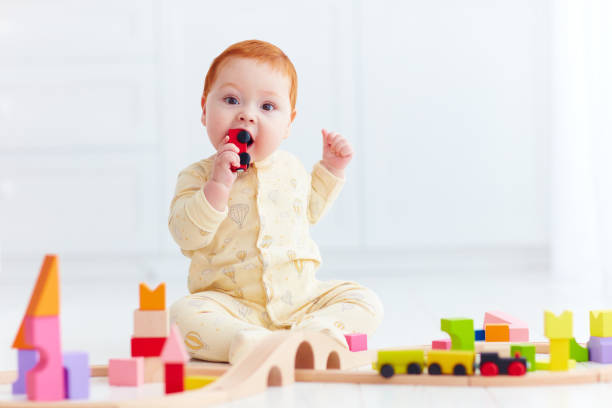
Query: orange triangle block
[
  {"x": 45, "y": 297},
  {"x": 153, "y": 300},
  {"x": 174, "y": 350}
]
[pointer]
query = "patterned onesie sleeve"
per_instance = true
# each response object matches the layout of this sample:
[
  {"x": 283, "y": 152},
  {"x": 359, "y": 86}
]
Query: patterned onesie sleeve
[
  {"x": 193, "y": 221},
  {"x": 325, "y": 188}
]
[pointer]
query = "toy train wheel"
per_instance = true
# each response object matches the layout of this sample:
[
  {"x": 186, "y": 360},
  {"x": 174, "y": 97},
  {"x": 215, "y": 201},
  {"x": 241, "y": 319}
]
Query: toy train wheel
[
  {"x": 489, "y": 369},
  {"x": 517, "y": 368},
  {"x": 387, "y": 371},
  {"x": 459, "y": 369},
  {"x": 434, "y": 369},
  {"x": 414, "y": 368}
]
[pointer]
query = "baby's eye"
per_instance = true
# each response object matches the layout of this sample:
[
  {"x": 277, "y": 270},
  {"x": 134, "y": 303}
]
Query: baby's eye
[
  {"x": 268, "y": 107},
  {"x": 231, "y": 100}
]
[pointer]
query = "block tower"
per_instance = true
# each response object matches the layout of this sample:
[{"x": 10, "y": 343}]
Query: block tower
[
  {"x": 558, "y": 329},
  {"x": 151, "y": 331},
  {"x": 174, "y": 357},
  {"x": 600, "y": 342},
  {"x": 44, "y": 373}
]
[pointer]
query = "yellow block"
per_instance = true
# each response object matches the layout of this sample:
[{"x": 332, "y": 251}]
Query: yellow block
[
  {"x": 198, "y": 381},
  {"x": 558, "y": 327},
  {"x": 559, "y": 355},
  {"x": 152, "y": 299},
  {"x": 601, "y": 323}
]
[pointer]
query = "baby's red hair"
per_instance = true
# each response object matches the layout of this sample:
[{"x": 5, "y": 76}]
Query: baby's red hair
[{"x": 260, "y": 51}]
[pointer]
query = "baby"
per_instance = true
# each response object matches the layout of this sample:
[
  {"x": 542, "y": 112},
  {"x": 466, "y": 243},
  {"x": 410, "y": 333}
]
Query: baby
[{"x": 253, "y": 262}]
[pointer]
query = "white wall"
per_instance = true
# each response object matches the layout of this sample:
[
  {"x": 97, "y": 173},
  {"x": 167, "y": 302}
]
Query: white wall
[{"x": 447, "y": 104}]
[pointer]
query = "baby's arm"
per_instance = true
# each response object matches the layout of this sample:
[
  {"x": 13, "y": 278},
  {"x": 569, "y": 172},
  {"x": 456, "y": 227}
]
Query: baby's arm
[
  {"x": 200, "y": 206},
  {"x": 328, "y": 175}
]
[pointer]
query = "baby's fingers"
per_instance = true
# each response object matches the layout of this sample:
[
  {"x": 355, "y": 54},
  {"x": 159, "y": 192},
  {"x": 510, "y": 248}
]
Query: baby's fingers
[
  {"x": 225, "y": 145},
  {"x": 229, "y": 157}
]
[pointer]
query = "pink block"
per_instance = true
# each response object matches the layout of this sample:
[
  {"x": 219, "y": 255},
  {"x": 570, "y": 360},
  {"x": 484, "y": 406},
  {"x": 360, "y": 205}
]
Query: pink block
[
  {"x": 444, "y": 344},
  {"x": 126, "y": 371},
  {"x": 519, "y": 334},
  {"x": 45, "y": 382},
  {"x": 357, "y": 341},
  {"x": 174, "y": 348}
]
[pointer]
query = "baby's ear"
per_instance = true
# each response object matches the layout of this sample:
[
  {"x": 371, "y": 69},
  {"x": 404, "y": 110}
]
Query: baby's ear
[
  {"x": 289, "y": 124},
  {"x": 203, "y": 118}
]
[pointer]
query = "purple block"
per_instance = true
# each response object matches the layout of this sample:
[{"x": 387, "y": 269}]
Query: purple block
[
  {"x": 26, "y": 360},
  {"x": 76, "y": 374},
  {"x": 600, "y": 349}
]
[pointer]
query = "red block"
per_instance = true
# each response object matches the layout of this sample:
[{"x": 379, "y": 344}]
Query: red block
[
  {"x": 175, "y": 378},
  {"x": 147, "y": 346}
]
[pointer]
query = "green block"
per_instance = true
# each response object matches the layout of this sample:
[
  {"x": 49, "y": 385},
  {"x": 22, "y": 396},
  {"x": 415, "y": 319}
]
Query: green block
[
  {"x": 542, "y": 365},
  {"x": 577, "y": 352},
  {"x": 461, "y": 332},
  {"x": 528, "y": 351}
]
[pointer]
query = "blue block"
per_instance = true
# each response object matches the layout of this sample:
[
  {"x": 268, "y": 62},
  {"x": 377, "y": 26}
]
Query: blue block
[
  {"x": 479, "y": 335},
  {"x": 76, "y": 374},
  {"x": 26, "y": 360}
]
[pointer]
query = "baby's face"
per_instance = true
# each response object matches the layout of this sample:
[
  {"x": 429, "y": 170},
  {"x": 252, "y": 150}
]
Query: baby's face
[{"x": 252, "y": 96}]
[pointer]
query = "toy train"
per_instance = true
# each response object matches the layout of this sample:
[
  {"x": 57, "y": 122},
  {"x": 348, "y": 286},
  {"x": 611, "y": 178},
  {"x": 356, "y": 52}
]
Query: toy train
[
  {"x": 455, "y": 362},
  {"x": 242, "y": 139}
]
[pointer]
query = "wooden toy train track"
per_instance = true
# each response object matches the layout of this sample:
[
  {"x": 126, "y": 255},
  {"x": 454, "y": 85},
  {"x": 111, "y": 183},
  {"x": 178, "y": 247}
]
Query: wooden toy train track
[{"x": 287, "y": 357}]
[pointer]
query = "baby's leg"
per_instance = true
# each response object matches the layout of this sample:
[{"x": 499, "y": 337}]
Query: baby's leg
[
  {"x": 345, "y": 308},
  {"x": 210, "y": 321}
]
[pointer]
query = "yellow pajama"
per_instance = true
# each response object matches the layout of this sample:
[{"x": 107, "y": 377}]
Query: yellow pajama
[{"x": 253, "y": 265}]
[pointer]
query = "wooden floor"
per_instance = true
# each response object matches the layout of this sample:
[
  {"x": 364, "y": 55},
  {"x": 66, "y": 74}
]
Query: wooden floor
[{"x": 413, "y": 308}]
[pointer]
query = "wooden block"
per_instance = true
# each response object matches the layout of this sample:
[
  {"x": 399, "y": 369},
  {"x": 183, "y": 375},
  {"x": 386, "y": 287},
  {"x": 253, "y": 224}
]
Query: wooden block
[
  {"x": 501, "y": 348},
  {"x": 444, "y": 344},
  {"x": 461, "y": 332},
  {"x": 601, "y": 323},
  {"x": 26, "y": 360},
  {"x": 174, "y": 348},
  {"x": 497, "y": 332},
  {"x": 558, "y": 327},
  {"x": 577, "y": 352},
  {"x": 198, "y": 381},
  {"x": 126, "y": 371},
  {"x": 44, "y": 300},
  {"x": 147, "y": 346},
  {"x": 76, "y": 375},
  {"x": 153, "y": 370},
  {"x": 357, "y": 341},
  {"x": 479, "y": 335},
  {"x": 174, "y": 377},
  {"x": 559, "y": 354},
  {"x": 45, "y": 382},
  {"x": 526, "y": 350},
  {"x": 152, "y": 300},
  {"x": 501, "y": 317},
  {"x": 150, "y": 323},
  {"x": 45, "y": 297},
  {"x": 600, "y": 349},
  {"x": 519, "y": 334}
]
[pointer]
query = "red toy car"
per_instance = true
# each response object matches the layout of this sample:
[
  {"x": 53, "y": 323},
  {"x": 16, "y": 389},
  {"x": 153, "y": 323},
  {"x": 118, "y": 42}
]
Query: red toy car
[{"x": 242, "y": 139}]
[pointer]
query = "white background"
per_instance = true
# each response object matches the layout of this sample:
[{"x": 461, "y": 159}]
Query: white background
[{"x": 446, "y": 103}]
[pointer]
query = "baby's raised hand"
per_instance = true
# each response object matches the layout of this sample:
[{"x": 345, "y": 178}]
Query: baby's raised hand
[
  {"x": 227, "y": 155},
  {"x": 337, "y": 152}
]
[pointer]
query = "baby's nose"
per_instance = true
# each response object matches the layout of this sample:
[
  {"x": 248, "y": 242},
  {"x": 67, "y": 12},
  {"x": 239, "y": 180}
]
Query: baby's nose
[{"x": 246, "y": 117}]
